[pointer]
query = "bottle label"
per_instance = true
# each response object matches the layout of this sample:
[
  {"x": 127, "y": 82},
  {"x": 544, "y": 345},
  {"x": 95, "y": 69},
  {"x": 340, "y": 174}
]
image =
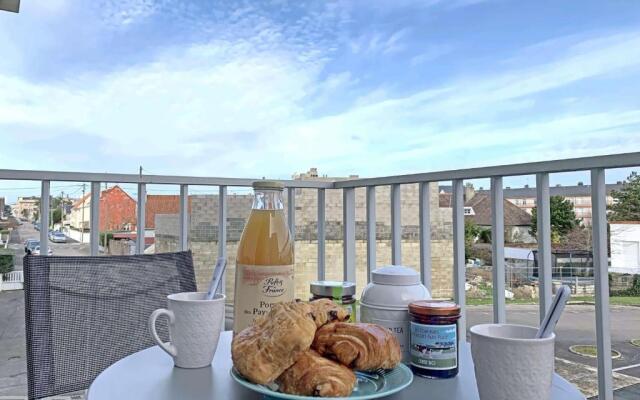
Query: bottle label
[
  {"x": 434, "y": 346},
  {"x": 258, "y": 288}
]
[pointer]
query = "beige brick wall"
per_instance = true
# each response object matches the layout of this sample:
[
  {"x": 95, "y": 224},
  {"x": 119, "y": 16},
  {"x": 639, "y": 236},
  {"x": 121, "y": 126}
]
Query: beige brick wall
[
  {"x": 203, "y": 236},
  {"x": 306, "y": 254}
]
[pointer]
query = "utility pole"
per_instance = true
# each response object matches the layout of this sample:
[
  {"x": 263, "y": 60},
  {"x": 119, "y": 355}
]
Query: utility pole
[
  {"x": 106, "y": 219},
  {"x": 83, "y": 202}
]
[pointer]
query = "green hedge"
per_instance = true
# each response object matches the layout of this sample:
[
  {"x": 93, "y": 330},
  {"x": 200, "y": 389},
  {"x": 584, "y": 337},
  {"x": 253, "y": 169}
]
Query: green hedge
[
  {"x": 634, "y": 290},
  {"x": 7, "y": 260}
]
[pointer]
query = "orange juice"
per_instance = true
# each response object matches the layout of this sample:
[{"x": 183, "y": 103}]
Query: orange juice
[{"x": 264, "y": 266}]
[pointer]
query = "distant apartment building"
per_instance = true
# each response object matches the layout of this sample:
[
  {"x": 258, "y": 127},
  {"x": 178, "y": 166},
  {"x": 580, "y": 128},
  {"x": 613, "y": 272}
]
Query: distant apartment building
[
  {"x": 27, "y": 207},
  {"x": 117, "y": 211},
  {"x": 579, "y": 195}
]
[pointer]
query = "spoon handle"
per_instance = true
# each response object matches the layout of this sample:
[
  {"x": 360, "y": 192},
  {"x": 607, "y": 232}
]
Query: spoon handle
[
  {"x": 553, "y": 315},
  {"x": 221, "y": 264}
]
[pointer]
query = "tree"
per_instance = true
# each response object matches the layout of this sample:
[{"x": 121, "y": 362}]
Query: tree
[
  {"x": 563, "y": 218},
  {"x": 626, "y": 202},
  {"x": 471, "y": 232},
  {"x": 57, "y": 215}
]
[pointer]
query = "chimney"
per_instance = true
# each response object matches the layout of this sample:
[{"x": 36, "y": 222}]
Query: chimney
[{"x": 469, "y": 192}]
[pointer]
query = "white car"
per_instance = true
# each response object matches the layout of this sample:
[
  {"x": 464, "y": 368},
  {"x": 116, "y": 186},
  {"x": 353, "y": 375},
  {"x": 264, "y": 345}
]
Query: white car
[
  {"x": 57, "y": 237},
  {"x": 36, "y": 251}
]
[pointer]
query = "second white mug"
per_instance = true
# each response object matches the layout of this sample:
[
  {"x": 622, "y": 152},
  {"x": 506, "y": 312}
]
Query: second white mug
[{"x": 195, "y": 324}]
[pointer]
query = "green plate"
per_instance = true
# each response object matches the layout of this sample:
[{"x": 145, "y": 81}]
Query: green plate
[{"x": 370, "y": 385}]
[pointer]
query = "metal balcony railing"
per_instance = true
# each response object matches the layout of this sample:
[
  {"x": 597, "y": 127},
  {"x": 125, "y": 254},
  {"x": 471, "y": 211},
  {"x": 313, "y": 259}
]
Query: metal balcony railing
[{"x": 596, "y": 165}]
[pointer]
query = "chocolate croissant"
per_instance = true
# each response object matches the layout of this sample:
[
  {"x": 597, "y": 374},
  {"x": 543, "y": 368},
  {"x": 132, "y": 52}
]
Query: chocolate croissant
[
  {"x": 325, "y": 311},
  {"x": 314, "y": 375},
  {"x": 264, "y": 350},
  {"x": 361, "y": 346}
]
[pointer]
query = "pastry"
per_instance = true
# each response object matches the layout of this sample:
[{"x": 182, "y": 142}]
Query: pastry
[
  {"x": 360, "y": 346},
  {"x": 325, "y": 311},
  {"x": 314, "y": 375},
  {"x": 264, "y": 350}
]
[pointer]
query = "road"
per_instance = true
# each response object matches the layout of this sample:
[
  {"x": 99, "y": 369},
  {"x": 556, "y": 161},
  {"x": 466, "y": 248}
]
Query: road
[{"x": 27, "y": 231}]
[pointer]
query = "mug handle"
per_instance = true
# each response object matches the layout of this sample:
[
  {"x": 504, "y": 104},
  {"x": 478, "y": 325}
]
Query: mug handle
[{"x": 168, "y": 347}]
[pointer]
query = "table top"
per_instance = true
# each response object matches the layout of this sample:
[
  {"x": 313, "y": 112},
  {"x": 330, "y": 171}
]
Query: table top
[{"x": 150, "y": 374}]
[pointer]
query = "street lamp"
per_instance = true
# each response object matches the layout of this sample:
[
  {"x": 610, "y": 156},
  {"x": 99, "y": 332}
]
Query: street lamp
[{"x": 10, "y": 5}]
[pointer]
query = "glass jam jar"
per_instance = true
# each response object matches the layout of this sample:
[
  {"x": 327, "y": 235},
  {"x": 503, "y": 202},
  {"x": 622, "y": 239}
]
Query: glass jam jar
[
  {"x": 434, "y": 338},
  {"x": 342, "y": 293}
]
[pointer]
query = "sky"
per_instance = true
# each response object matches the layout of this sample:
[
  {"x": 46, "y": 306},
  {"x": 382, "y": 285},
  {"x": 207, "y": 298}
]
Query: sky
[{"x": 270, "y": 88}]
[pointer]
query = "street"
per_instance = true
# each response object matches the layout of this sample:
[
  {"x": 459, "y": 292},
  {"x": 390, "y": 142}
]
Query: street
[{"x": 27, "y": 231}]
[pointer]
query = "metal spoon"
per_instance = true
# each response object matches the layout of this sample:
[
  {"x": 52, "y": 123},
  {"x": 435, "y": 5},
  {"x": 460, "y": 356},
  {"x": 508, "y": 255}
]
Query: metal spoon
[
  {"x": 553, "y": 315},
  {"x": 221, "y": 264}
]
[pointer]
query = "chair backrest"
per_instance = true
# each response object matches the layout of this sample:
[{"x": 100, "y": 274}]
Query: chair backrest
[{"x": 82, "y": 314}]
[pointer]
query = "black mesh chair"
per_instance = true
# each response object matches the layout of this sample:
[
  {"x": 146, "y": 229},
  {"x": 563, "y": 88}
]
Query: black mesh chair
[{"x": 82, "y": 314}]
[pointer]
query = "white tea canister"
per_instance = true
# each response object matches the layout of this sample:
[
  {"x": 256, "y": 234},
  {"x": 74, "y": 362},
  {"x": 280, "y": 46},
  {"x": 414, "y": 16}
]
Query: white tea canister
[{"x": 385, "y": 301}]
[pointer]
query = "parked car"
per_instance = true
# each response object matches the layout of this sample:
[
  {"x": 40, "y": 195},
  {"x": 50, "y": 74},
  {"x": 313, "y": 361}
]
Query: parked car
[
  {"x": 32, "y": 245},
  {"x": 36, "y": 251},
  {"x": 57, "y": 237},
  {"x": 27, "y": 244}
]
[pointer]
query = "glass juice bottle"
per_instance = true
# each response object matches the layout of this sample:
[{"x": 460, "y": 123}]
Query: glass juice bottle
[{"x": 264, "y": 266}]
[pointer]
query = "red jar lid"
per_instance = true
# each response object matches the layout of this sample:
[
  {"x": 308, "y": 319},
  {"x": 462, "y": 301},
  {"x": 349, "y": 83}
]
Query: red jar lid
[{"x": 434, "y": 308}]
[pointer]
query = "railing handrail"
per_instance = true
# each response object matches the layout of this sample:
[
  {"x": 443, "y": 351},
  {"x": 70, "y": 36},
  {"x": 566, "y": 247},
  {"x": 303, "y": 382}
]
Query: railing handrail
[
  {"x": 553, "y": 166},
  {"x": 67, "y": 176}
]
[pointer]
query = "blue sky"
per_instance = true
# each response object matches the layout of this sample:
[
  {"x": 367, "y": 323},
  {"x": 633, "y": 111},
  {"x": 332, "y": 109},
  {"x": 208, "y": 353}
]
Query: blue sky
[{"x": 271, "y": 88}]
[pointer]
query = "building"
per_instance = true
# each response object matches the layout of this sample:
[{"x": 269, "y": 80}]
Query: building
[
  {"x": 477, "y": 209},
  {"x": 2, "y": 204},
  {"x": 579, "y": 195},
  {"x": 27, "y": 207},
  {"x": 625, "y": 247},
  {"x": 117, "y": 211}
]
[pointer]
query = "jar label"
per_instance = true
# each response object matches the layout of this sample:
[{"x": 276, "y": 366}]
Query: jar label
[
  {"x": 434, "y": 346},
  {"x": 258, "y": 288}
]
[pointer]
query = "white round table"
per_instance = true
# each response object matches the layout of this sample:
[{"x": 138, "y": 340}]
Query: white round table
[{"x": 150, "y": 374}]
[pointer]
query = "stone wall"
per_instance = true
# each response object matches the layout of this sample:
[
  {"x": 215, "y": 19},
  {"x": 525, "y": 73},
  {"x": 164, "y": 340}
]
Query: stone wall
[{"x": 203, "y": 236}]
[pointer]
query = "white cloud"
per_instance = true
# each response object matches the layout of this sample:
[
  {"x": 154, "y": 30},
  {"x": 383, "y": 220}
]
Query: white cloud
[{"x": 241, "y": 106}]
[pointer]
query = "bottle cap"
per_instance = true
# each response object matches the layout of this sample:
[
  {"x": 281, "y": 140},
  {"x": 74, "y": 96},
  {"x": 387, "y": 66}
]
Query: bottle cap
[{"x": 267, "y": 185}]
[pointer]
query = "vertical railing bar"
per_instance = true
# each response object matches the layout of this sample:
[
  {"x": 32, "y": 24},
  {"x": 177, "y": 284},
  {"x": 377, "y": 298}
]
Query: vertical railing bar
[
  {"x": 291, "y": 212},
  {"x": 371, "y": 230},
  {"x": 543, "y": 222},
  {"x": 141, "y": 217},
  {"x": 94, "y": 222},
  {"x": 396, "y": 226},
  {"x": 184, "y": 218},
  {"x": 497, "y": 249},
  {"x": 458, "y": 255},
  {"x": 424, "y": 216},
  {"x": 349, "y": 233},
  {"x": 321, "y": 235},
  {"x": 601, "y": 277},
  {"x": 45, "y": 193},
  {"x": 222, "y": 231}
]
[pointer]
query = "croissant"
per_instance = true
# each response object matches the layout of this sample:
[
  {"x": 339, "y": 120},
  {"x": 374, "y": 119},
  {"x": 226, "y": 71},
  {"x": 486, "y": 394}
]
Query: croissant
[
  {"x": 360, "y": 346},
  {"x": 325, "y": 311},
  {"x": 264, "y": 350},
  {"x": 314, "y": 375}
]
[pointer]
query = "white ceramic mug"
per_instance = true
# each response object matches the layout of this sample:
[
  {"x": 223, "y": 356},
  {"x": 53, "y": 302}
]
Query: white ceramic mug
[
  {"x": 510, "y": 363},
  {"x": 194, "y": 328}
]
